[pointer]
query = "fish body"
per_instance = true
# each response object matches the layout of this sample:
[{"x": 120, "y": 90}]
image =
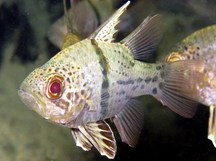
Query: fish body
[
  {"x": 200, "y": 47},
  {"x": 102, "y": 83},
  {"x": 97, "y": 79}
]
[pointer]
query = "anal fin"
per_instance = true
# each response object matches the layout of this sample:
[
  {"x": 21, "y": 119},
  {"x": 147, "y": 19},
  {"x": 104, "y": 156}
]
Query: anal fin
[
  {"x": 212, "y": 124},
  {"x": 129, "y": 122}
]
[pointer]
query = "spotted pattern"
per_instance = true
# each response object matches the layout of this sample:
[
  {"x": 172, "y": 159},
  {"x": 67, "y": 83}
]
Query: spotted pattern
[{"x": 188, "y": 51}]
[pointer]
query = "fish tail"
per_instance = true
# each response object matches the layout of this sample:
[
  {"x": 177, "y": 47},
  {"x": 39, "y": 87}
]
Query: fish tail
[
  {"x": 178, "y": 88},
  {"x": 212, "y": 124}
]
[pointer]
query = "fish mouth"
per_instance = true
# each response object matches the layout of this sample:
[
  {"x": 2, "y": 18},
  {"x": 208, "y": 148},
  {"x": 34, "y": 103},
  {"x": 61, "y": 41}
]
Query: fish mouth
[
  {"x": 27, "y": 99},
  {"x": 31, "y": 101}
]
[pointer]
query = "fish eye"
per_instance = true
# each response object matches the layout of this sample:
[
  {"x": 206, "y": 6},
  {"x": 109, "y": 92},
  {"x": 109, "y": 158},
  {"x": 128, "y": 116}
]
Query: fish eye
[{"x": 54, "y": 87}]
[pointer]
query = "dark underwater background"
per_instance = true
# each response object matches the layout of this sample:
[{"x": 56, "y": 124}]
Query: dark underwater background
[{"x": 25, "y": 44}]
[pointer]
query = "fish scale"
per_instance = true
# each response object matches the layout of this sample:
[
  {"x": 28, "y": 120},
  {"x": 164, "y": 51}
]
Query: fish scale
[
  {"x": 122, "y": 85},
  {"x": 125, "y": 76}
]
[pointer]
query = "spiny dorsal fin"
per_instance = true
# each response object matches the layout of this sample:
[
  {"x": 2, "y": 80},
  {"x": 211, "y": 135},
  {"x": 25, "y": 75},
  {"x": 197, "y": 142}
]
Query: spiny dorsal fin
[
  {"x": 101, "y": 136},
  {"x": 107, "y": 30},
  {"x": 144, "y": 39},
  {"x": 178, "y": 90},
  {"x": 129, "y": 122},
  {"x": 212, "y": 125},
  {"x": 81, "y": 140}
]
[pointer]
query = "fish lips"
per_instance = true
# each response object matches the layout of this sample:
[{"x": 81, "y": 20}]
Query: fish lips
[
  {"x": 30, "y": 101},
  {"x": 27, "y": 99},
  {"x": 34, "y": 103}
]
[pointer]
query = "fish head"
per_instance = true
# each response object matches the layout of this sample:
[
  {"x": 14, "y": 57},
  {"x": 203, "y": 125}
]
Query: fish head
[{"x": 53, "y": 91}]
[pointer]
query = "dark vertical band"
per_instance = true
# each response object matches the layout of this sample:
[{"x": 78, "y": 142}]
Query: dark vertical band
[{"x": 105, "y": 84}]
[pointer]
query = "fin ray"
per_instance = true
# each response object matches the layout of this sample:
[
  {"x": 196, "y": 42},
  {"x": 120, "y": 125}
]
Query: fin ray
[
  {"x": 129, "y": 122},
  {"x": 101, "y": 136},
  {"x": 144, "y": 39},
  {"x": 81, "y": 140},
  {"x": 178, "y": 90},
  {"x": 107, "y": 30}
]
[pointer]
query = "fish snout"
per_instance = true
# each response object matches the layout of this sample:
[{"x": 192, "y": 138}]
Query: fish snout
[{"x": 27, "y": 97}]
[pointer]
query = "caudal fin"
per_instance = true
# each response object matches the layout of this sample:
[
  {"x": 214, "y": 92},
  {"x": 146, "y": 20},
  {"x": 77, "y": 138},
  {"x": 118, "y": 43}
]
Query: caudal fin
[{"x": 178, "y": 90}]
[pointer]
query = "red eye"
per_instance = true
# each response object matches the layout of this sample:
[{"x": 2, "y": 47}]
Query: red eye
[{"x": 54, "y": 87}]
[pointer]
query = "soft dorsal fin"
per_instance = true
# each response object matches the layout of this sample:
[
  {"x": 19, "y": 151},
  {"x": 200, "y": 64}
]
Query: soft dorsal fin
[
  {"x": 212, "y": 124},
  {"x": 129, "y": 122},
  {"x": 107, "y": 30},
  {"x": 81, "y": 140},
  {"x": 145, "y": 38},
  {"x": 178, "y": 90},
  {"x": 101, "y": 136}
]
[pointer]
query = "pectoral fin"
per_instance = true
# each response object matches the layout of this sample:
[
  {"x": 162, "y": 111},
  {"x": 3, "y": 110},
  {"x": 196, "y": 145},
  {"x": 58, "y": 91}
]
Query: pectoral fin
[
  {"x": 212, "y": 125},
  {"x": 129, "y": 122},
  {"x": 101, "y": 136}
]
